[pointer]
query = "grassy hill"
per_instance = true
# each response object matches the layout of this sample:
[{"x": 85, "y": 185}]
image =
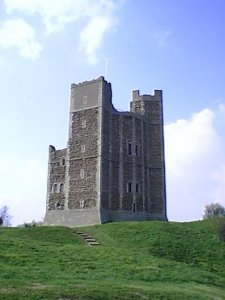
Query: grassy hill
[{"x": 135, "y": 260}]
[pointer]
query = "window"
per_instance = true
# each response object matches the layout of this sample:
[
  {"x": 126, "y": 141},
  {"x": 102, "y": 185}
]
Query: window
[
  {"x": 136, "y": 150},
  {"x": 133, "y": 207},
  {"x": 137, "y": 188},
  {"x": 57, "y": 205},
  {"x": 61, "y": 188},
  {"x": 82, "y": 173},
  {"x": 85, "y": 100},
  {"x": 129, "y": 148},
  {"x": 83, "y": 124},
  {"x": 129, "y": 187},
  {"x": 83, "y": 148},
  {"x": 63, "y": 161},
  {"x": 82, "y": 204},
  {"x": 55, "y": 188}
]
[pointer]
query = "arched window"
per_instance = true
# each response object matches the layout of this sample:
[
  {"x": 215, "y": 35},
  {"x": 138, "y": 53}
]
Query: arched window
[
  {"x": 61, "y": 188},
  {"x": 55, "y": 188}
]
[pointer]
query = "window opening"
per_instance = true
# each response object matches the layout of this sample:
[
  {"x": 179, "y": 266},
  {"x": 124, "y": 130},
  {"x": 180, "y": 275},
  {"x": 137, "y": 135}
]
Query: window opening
[
  {"x": 136, "y": 150},
  {"x": 130, "y": 148},
  {"x": 57, "y": 205},
  {"x": 134, "y": 207},
  {"x": 55, "y": 188},
  {"x": 137, "y": 188},
  {"x": 84, "y": 99},
  {"x": 84, "y": 124},
  {"x": 129, "y": 187},
  {"x": 82, "y": 173},
  {"x": 63, "y": 161},
  {"x": 61, "y": 188},
  {"x": 83, "y": 148},
  {"x": 82, "y": 203}
]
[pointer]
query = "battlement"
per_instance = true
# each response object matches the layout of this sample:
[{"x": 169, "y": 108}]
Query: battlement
[
  {"x": 157, "y": 96},
  {"x": 83, "y": 83},
  {"x": 89, "y": 94}
]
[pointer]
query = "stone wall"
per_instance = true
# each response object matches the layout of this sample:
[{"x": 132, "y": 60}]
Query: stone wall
[
  {"x": 83, "y": 153},
  {"x": 56, "y": 178}
]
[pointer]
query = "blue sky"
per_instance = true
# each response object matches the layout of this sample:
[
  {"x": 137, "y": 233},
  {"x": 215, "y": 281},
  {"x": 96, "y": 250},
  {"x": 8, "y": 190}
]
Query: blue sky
[{"x": 177, "y": 46}]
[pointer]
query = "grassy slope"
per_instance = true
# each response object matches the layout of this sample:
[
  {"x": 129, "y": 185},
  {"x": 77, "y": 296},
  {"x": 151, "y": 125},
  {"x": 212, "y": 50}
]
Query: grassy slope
[{"x": 136, "y": 260}]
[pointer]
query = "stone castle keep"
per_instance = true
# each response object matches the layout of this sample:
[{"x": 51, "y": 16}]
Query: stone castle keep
[{"x": 113, "y": 168}]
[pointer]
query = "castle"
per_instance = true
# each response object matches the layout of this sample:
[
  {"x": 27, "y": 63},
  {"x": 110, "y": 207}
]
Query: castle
[{"x": 113, "y": 168}]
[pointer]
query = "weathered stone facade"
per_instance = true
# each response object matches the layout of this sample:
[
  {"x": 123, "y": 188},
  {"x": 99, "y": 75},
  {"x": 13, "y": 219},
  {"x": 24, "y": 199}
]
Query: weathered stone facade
[{"x": 113, "y": 168}]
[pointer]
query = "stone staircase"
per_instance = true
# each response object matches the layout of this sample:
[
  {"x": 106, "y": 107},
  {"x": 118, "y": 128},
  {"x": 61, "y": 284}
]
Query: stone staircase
[{"x": 88, "y": 239}]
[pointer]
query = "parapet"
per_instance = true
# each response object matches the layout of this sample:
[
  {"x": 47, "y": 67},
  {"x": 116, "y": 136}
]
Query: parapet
[
  {"x": 157, "y": 96},
  {"x": 101, "y": 78}
]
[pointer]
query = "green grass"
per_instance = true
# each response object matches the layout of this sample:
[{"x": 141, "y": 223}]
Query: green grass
[{"x": 136, "y": 260}]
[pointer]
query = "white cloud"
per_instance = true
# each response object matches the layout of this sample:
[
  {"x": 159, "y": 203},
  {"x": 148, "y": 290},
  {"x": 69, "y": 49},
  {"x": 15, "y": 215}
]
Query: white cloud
[
  {"x": 194, "y": 156},
  {"x": 16, "y": 33},
  {"x": 97, "y": 17},
  {"x": 92, "y": 35},
  {"x": 23, "y": 189}
]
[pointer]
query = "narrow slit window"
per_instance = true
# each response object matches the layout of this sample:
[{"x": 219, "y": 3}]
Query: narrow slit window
[
  {"x": 85, "y": 100},
  {"x": 82, "y": 173},
  {"x": 84, "y": 124},
  {"x": 134, "y": 207},
  {"x": 129, "y": 187},
  {"x": 83, "y": 148},
  {"x": 63, "y": 161},
  {"x": 136, "y": 150},
  {"x": 129, "y": 148},
  {"x": 137, "y": 188}
]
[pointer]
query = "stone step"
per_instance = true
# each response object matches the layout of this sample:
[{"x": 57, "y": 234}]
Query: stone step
[
  {"x": 88, "y": 239},
  {"x": 84, "y": 235},
  {"x": 93, "y": 243}
]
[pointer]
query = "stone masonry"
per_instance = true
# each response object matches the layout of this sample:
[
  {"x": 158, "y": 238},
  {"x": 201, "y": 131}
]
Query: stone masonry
[{"x": 113, "y": 168}]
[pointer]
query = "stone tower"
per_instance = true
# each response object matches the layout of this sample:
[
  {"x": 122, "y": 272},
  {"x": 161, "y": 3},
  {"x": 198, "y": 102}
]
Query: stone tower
[{"x": 113, "y": 168}]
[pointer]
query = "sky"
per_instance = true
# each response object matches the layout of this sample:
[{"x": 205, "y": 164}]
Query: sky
[{"x": 177, "y": 46}]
